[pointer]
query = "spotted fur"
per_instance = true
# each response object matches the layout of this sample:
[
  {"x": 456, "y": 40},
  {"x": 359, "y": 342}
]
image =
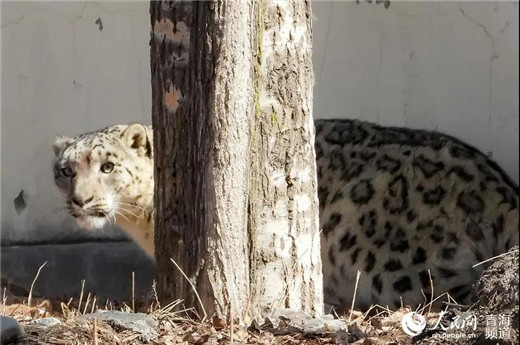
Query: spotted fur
[
  {"x": 405, "y": 207},
  {"x": 122, "y": 194}
]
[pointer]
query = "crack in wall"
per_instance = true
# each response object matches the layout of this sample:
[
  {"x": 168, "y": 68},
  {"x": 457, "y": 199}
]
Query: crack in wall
[
  {"x": 329, "y": 25},
  {"x": 492, "y": 58}
]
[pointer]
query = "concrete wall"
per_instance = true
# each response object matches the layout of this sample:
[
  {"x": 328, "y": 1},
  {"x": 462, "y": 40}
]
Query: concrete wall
[
  {"x": 451, "y": 66},
  {"x": 63, "y": 73},
  {"x": 70, "y": 67},
  {"x": 106, "y": 268}
]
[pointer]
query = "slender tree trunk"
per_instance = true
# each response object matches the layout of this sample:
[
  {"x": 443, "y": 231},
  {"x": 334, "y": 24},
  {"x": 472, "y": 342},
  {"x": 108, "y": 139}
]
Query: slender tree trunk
[
  {"x": 235, "y": 194},
  {"x": 283, "y": 200}
]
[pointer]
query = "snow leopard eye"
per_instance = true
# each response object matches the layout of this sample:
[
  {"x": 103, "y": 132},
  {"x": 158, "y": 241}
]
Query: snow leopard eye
[
  {"x": 66, "y": 172},
  {"x": 107, "y": 167}
]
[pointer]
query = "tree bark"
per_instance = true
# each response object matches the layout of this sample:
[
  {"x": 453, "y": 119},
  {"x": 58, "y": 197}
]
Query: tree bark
[
  {"x": 283, "y": 200},
  {"x": 235, "y": 178}
]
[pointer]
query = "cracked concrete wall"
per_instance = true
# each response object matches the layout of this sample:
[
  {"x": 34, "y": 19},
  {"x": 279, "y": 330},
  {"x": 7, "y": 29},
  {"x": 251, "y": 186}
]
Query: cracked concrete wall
[
  {"x": 70, "y": 67},
  {"x": 450, "y": 66}
]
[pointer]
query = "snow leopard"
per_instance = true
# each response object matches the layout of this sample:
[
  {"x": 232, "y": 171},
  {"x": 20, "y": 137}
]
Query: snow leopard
[{"x": 410, "y": 209}]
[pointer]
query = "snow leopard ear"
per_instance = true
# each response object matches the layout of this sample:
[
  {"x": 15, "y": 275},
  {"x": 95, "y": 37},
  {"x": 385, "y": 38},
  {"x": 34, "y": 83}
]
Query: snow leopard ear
[
  {"x": 60, "y": 143},
  {"x": 136, "y": 137}
]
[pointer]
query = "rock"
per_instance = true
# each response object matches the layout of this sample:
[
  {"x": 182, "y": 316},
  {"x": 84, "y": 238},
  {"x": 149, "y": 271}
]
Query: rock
[
  {"x": 10, "y": 330},
  {"x": 137, "y": 322},
  {"x": 297, "y": 321},
  {"x": 353, "y": 334},
  {"x": 497, "y": 288},
  {"x": 46, "y": 322},
  {"x": 497, "y": 295}
]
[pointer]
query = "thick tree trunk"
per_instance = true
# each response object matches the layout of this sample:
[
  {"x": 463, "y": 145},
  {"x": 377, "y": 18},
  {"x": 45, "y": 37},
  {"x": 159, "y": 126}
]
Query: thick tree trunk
[{"x": 235, "y": 192}]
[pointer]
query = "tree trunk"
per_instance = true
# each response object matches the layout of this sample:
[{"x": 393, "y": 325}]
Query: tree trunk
[{"x": 235, "y": 191}]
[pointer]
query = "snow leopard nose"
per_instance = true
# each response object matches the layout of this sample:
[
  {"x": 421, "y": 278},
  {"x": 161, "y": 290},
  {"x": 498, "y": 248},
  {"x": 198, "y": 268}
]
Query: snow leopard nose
[{"x": 80, "y": 202}]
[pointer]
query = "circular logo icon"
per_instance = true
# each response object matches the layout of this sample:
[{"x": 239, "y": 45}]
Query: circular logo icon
[{"x": 413, "y": 324}]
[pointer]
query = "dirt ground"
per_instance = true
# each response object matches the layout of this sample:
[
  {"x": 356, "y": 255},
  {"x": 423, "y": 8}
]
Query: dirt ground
[{"x": 496, "y": 310}]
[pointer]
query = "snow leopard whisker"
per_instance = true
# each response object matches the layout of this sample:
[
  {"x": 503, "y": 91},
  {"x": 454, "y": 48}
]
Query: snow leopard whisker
[
  {"x": 131, "y": 205},
  {"x": 127, "y": 210},
  {"x": 122, "y": 215},
  {"x": 112, "y": 216}
]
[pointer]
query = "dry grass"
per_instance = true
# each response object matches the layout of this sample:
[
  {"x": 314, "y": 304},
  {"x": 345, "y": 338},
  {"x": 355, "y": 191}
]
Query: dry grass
[
  {"x": 29, "y": 299},
  {"x": 177, "y": 326},
  {"x": 180, "y": 325}
]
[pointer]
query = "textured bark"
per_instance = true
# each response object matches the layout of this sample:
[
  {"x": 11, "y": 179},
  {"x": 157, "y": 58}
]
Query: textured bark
[
  {"x": 283, "y": 200},
  {"x": 235, "y": 181},
  {"x": 200, "y": 111}
]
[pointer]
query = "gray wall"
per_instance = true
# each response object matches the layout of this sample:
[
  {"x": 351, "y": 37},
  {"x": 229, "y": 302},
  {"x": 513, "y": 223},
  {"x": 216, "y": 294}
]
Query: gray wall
[
  {"x": 450, "y": 66},
  {"x": 436, "y": 65},
  {"x": 64, "y": 74}
]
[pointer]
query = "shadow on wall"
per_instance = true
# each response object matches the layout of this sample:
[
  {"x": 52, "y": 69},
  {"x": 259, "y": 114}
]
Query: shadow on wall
[
  {"x": 70, "y": 68},
  {"x": 105, "y": 259},
  {"x": 65, "y": 232},
  {"x": 106, "y": 268}
]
